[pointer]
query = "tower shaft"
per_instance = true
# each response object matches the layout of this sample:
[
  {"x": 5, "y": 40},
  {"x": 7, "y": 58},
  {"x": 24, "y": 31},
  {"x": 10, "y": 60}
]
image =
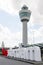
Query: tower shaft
[{"x": 24, "y": 33}]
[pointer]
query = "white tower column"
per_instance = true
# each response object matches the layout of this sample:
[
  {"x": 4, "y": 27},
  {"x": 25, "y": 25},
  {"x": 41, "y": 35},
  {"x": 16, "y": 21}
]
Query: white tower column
[{"x": 25, "y": 32}]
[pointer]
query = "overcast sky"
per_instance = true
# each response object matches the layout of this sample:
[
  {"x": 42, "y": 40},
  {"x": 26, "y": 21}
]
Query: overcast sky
[{"x": 11, "y": 26}]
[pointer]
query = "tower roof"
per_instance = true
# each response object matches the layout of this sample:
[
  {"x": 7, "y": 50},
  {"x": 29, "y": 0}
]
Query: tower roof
[{"x": 24, "y": 7}]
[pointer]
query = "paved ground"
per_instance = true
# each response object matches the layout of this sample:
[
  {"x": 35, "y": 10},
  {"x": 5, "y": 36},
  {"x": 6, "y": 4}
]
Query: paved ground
[{"x": 4, "y": 61}]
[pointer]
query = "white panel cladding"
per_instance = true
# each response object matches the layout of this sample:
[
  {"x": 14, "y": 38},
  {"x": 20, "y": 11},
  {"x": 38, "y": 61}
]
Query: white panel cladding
[
  {"x": 33, "y": 53},
  {"x": 10, "y": 52},
  {"x": 29, "y": 53},
  {"x": 37, "y": 53},
  {"x": 22, "y": 53}
]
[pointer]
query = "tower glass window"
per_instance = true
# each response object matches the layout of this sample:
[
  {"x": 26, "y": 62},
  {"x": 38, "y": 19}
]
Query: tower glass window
[{"x": 23, "y": 14}]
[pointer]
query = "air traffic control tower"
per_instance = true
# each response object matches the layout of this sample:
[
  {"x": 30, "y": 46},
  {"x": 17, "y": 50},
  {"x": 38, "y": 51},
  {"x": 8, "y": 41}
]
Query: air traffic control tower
[{"x": 25, "y": 16}]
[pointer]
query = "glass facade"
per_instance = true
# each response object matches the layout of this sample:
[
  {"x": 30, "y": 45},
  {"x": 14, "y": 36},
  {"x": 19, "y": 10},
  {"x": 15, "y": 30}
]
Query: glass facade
[{"x": 22, "y": 14}]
